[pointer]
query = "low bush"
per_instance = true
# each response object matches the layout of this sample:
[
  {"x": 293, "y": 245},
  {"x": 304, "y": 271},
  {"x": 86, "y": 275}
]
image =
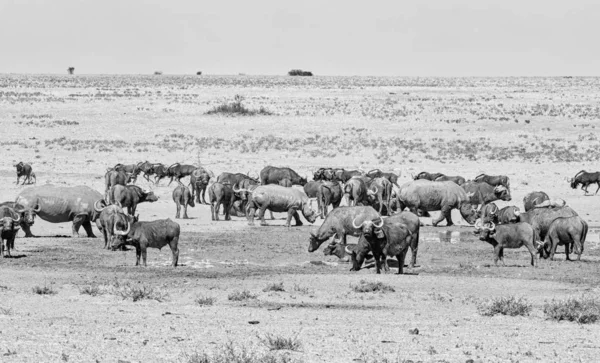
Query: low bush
[
  {"x": 241, "y": 295},
  {"x": 583, "y": 310},
  {"x": 510, "y": 306},
  {"x": 281, "y": 343},
  {"x": 370, "y": 286}
]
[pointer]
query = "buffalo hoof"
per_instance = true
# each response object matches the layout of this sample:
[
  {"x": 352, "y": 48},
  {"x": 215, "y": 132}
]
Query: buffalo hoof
[
  {"x": 250, "y": 223},
  {"x": 299, "y": 224},
  {"x": 263, "y": 224}
]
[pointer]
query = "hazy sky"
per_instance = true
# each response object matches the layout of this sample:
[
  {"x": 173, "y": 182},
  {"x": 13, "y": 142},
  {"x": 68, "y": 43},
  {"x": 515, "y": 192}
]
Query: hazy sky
[{"x": 391, "y": 37}]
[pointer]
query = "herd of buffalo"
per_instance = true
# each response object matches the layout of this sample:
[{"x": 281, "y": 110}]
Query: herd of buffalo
[{"x": 383, "y": 214}]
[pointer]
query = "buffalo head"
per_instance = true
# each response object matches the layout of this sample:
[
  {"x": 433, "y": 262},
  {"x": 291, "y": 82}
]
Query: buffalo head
[
  {"x": 9, "y": 223},
  {"x": 27, "y": 214},
  {"x": 315, "y": 241},
  {"x": 469, "y": 212},
  {"x": 371, "y": 227},
  {"x": 336, "y": 249},
  {"x": 486, "y": 230},
  {"x": 149, "y": 196},
  {"x": 502, "y": 193}
]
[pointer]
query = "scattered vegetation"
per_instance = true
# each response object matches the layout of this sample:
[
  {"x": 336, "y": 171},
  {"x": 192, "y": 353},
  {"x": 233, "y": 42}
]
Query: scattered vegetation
[
  {"x": 236, "y": 108},
  {"x": 299, "y": 72},
  {"x": 278, "y": 286},
  {"x": 241, "y": 295},
  {"x": 205, "y": 300},
  {"x": 143, "y": 292},
  {"x": 370, "y": 286},
  {"x": 44, "y": 290},
  {"x": 582, "y": 310},
  {"x": 92, "y": 290},
  {"x": 229, "y": 353},
  {"x": 510, "y": 306},
  {"x": 273, "y": 342},
  {"x": 6, "y": 311}
]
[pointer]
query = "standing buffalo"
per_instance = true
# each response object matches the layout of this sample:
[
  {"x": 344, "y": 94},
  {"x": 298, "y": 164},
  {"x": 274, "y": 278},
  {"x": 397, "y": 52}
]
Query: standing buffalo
[
  {"x": 483, "y": 193},
  {"x": 541, "y": 219},
  {"x": 25, "y": 171},
  {"x": 329, "y": 193},
  {"x": 509, "y": 214},
  {"x": 456, "y": 179},
  {"x": 389, "y": 237},
  {"x": 199, "y": 182},
  {"x": 327, "y": 174},
  {"x": 112, "y": 178},
  {"x": 534, "y": 198},
  {"x": 183, "y": 197},
  {"x": 344, "y": 175},
  {"x": 341, "y": 222},
  {"x": 280, "y": 199},
  {"x": 355, "y": 192},
  {"x": 513, "y": 235},
  {"x": 493, "y": 180},
  {"x": 27, "y": 215},
  {"x": 180, "y": 171},
  {"x": 380, "y": 194},
  {"x": 107, "y": 220},
  {"x": 235, "y": 179},
  {"x": 427, "y": 176},
  {"x": 9, "y": 226},
  {"x": 585, "y": 179},
  {"x": 130, "y": 196},
  {"x": 428, "y": 196},
  {"x": 311, "y": 189},
  {"x": 63, "y": 204},
  {"x": 273, "y": 175},
  {"x": 489, "y": 213},
  {"x": 568, "y": 231},
  {"x": 376, "y": 173},
  {"x": 155, "y": 234},
  {"x": 219, "y": 193}
]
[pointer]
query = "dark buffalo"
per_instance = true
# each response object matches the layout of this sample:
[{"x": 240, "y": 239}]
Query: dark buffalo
[
  {"x": 343, "y": 251},
  {"x": 585, "y": 179},
  {"x": 183, "y": 197},
  {"x": 534, "y": 198},
  {"x": 311, "y": 189},
  {"x": 219, "y": 193},
  {"x": 379, "y": 194},
  {"x": 329, "y": 193},
  {"x": 508, "y": 214},
  {"x": 355, "y": 192},
  {"x": 25, "y": 171},
  {"x": 130, "y": 196},
  {"x": 242, "y": 193},
  {"x": 273, "y": 175},
  {"x": 494, "y": 180},
  {"x": 112, "y": 178},
  {"x": 199, "y": 182},
  {"x": 106, "y": 221},
  {"x": 340, "y": 222},
  {"x": 344, "y": 175},
  {"x": 541, "y": 219},
  {"x": 376, "y": 173},
  {"x": 324, "y": 174},
  {"x": 178, "y": 171},
  {"x": 9, "y": 226},
  {"x": 427, "y": 176},
  {"x": 235, "y": 179},
  {"x": 389, "y": 237},
  {"x": 456, "y": 179},
  {"x": 568, "y": 231},
  {"x": 286, "y": 183},
  {"x": 155, "y": 234},
  {"x": 489, "y": 213},
  {"x": 483, "y": 193},
  {"x": 27, "y": 215},
  {"x": 514, "y": 235}
]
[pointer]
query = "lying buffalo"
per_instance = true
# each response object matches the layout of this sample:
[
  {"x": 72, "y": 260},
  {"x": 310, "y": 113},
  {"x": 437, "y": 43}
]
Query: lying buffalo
[
  {"x": 389, "y": 237},
  {"x": 534, "y": 198},
  {"x": 63, "y": 204},
  {"x": 456, "y": 179},
  {"x": 568, "y": 231},
  {"x": 130, "y": 196},
  {"x": 155, "y": 234},
  {"x": 513, "y": 235},
  {"x": 430, "y": 196},
  {"x": 280, "y": 199},
  {"x": 493, "y": 180},
  {"x": 376, "y": 173},
  {"x": 344, "y": 175},
  {"x": 427, "y": 176},
  {"x": 341, "y": 222}
]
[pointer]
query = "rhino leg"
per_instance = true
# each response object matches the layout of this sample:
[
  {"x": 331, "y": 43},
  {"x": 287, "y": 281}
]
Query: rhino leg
[
  {"x": 261, "y": 215},
  {"x": 444, "y": 214},
  {"x": 87, "y": 226}
]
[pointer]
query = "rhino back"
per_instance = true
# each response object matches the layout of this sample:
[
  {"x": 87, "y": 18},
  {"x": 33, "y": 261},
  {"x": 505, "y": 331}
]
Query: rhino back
[
  {"x": 432, "y": 196},
  {"x": 279, "y": 198},
  {"x": 60, "y": 204}
]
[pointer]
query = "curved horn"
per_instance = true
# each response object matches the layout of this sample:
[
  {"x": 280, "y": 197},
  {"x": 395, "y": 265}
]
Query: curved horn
[
  {"x": 96, "y": 208},
  {"x": 122, "y": 233},
  {"x": 378, "y": 225},
  {"x": 37, "y": 208},
  {"x": 478, "y": 223},
  {"x": 517, "y": 212},
  {"x": 492, "y": 227},
  {"x": 371, "y": 192},
  {"x": 347, "y": 250},
  {"x": 118, "y": 204},
  {"x": 354, "y": 224},
  {"x": 18, "y": 219}
]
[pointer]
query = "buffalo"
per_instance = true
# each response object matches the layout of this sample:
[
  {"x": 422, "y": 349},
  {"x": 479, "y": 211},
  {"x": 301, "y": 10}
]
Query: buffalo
[
  {"x": 199, "y": 182},
  {"x": 112, "y": 178},
  {"x": 568, "y": 231},
  {"x": 27, "y": 215},
  {"x": 130, "y": 196},
  {"x": 493, "y": 180},
  {"x": 483, "y": 193},
  {"x": 456, "y": 179},
  {"x": 534, "y": 198},
  {"x": 273, "y": 175},
  {"x": 379, "y": 193},
  {"x": 355, "y": 192},
  {"x": 9, "y": 226},
  {"x": 513, "y": 235},
  {"x": 329, "y": 193},
  {"x": 376, "y": 173},
  {"x": 541, "y": 219},
  {"x": 107, "y": 220},
  {"x": 509, "y": 214},
  {"x": 341, "y": 222},
  {"x": 219, "y": 193},
  {"x": 183, "y": 197},
  {"x": 427, "y": 176},
  {"x": 344, "y": 175}
]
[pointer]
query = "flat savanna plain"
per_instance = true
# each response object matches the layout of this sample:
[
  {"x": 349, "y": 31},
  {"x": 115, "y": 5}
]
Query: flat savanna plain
[{"x": 535, "y": 130}]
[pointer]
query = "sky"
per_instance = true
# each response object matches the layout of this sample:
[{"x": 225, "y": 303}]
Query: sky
[{"x": 328, "y": 37}]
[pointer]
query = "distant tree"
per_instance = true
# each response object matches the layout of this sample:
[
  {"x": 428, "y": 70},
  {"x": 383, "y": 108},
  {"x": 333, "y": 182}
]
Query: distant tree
[
  {"x": 71, "y": 70},
  {"x": 299, "y": 72},
  {"x": 199, "y": 73},
  {"x": 157, "y": 73}
]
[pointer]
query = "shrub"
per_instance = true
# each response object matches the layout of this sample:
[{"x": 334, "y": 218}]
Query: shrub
[
  {"x": 369, "y": 286},
  {"x": 237, "y": 108},
  {"x": 510, "y": 306},
  {"x": 583, "y": 310},
  {"x": 299, "y": 72},
  {"x": 241, "y": 295},
  {"x": 137, "y": 293},
  {"x": 158, "y": 73},
  {"x": 281, "y": 343},
  {"x": 92, "y": 290},
  {"x": 229, "y": 353},
  {"x": 44, "y": 290},
  {"x": 274, "y": 287},
  {"x": 199, "y": 73},
  {"x": 205, "y": 300}
]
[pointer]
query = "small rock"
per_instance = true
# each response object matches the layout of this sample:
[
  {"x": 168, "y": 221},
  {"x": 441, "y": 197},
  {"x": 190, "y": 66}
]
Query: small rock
[
  {"x": 253, "y": 322},
  {"x": 414, "y": 331}
]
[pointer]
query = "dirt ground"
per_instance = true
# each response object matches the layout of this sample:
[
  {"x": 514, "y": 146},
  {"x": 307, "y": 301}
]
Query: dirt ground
[{"x": 72, "y": 128}]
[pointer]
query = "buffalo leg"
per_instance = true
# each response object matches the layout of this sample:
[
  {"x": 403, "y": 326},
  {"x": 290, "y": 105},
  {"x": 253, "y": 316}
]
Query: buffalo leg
[
  {"x": 567, "y": 250},
  {"x": 227, "y": 207},
  {"x": 533, "y": 253},
  {"x": 378, "y": 256},
  {"x": 144, "y": 251},
  {"x": 401, "y": 258},
  {"x": 185, "y": 215},
  {"x": 414, "y": 248},
  {"x": 178, "y": 205},
  {"x": 27, "y": 229},
  {"x": 497, "y": 250},
  {"x": 105, "y": 235},
  {"x": 138, "y": 254},
  {"x": 250, "y": 211},
  {"x": 87, "y": 226},
  {"x": 175, "y": 250}
]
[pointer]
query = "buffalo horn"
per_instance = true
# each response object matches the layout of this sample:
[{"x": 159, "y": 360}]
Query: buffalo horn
[
  {"x": 96, "y": 208},
  {"x": 348, "y": 251},
  {"x": 517, "y": 212},
  {"x": 122, "y": 233},
  {"x": 378, "y": 225},
  {"x": 373, "y": 192},
  {"x": 37, "y": 208},
  {"x": 354, "y": 224},
  {"x": 16, "y": 220},
  {"x": 478, "y": 224}
]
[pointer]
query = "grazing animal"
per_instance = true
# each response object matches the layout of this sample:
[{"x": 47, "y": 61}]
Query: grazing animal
[
  {"x": 106, "y": 221},
  {"x": 344, "y": 175},
  {"x": 9, "y": 226},
  {"x": 483, "y": 193},
  {"x": 183, "y": 197},
  {"x": 489, "y": 213},
  {"x": 112, "y": 178},
  {"x": 280, "y": 199},
  {"x": 376, "y": 173},
  {"x": 155, "y": 234},
  {"x": 219, "y": 193},
  {"x": 508, "y": 214},
  {"x": 286, "y": 183},
  {"x": 341, "y": 222},
  {"x": 235, "y": 179},
  {"x": 427, "y": 176},
  {"x": 534, "y": 198},
  {"x": 180, "y": 171},
  {"x": 311, "y": 189},
  {"x": 27, "y": 216},
  {"x": 493, "y": 180},
  {"x": 273, "y": 175},
  {"x": 456, "y": 179},
  {"x": 568, "y": 231},
  {"x": 63, "y": 204},
  {"x": 388, "y": 237},
  {"x": 379, "y": 193},
  {"x": 514, "y": 235},
  {"x": 329, "y": 193},
  {"x": 130, "y": 196},
  {"x": 430, "y": 196},
  {"x": 585, "y": 179},
  {"x": 541, "y": 219},
  {"x": 199, "y": 182},
  {"x": 355, "y": 192},
  {"x": 341, "y": 251},
  {"x": 25, "y": 171}
]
